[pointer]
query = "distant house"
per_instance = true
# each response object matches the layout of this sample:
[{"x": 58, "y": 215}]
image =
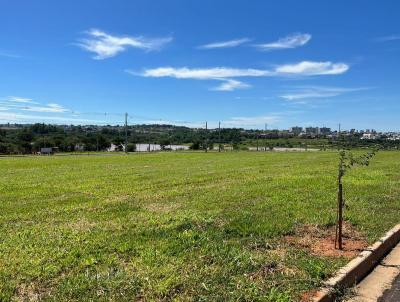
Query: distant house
[
  {"x": 370, "y": 135},
  {"x": 48, "y": 151},
  {"x": 116, "y": 148},
  {"x": 79, "y": 147}
]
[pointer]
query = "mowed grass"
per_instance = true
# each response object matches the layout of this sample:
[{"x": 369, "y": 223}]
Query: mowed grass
[{"x": 179, "y": 226}]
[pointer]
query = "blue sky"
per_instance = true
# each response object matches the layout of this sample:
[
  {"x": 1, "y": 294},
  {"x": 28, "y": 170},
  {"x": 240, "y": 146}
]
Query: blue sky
[{"x": 244, "y": 63}]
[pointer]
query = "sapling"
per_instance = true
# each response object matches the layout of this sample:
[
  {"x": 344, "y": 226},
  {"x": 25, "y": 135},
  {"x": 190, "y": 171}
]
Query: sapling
[{"x": 347, "y": 160}]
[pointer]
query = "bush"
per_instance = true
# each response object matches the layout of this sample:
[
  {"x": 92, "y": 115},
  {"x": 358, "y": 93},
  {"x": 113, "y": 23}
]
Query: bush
[
  {"x": 131, "y": 147},
  {"x": 195, "y": 146}
]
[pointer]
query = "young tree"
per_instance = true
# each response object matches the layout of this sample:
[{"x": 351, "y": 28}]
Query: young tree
[{"x": 346, "y": 161}]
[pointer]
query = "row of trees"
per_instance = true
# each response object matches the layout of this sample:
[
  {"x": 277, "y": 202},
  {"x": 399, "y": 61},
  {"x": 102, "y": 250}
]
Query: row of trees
[{"x": 30, "y": 138}]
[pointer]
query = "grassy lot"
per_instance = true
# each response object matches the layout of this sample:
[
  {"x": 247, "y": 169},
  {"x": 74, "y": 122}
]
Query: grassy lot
[{"x": 179, "y": 226}]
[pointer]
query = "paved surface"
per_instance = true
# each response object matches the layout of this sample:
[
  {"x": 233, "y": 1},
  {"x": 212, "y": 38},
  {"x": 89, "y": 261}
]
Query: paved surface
[
  {"x": 383, "y": 283},
  {"x": 392, "y": 294}
]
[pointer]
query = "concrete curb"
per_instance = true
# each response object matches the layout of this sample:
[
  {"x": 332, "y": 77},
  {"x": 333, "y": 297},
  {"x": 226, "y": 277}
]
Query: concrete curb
[{"x": 359, "y": 267}]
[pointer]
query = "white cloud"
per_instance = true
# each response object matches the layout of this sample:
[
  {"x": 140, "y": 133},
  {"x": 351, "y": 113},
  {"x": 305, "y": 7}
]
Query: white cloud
[
  {"x": 16, "y": 99},
  {"x": 305, "y": 68},
  {"x": 387, "y": 38},
  {"x": 27, "y": 104},
  {"x": 230, "y": 85},
  {"x": 17, "y": 117},
  {"x": 309, "y": 68},
  {"x": 307, "y": 95},
  {"x": 292, "y": 41},
  {"x": 106, "y": 46},
  {"x": 217, "y": 73},
  {"x": 52, "y": 108},
  {"x": 252, "y": 121},
  {"x": 225, "y": 44},
  {"x": 9, "y": 55},
  {"x": 201, "y": 73},
  {"x": 318, "y": 92}
]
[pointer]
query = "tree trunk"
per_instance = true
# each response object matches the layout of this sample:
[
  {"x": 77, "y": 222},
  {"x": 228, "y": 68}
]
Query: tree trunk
[{"x": 339, "y": 234}]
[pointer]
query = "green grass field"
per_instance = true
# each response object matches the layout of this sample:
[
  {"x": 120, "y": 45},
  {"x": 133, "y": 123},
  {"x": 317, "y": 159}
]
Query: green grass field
[{"x": 179, "y": 226}]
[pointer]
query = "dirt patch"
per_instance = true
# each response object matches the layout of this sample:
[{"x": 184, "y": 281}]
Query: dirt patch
[
  {"x": 30, "y": 292},
  {"x": 351, "y": 247},
  {"x": 308, "y": 296},
  {"x": 321, "y": 240},
  {"x": 265, "y": 270},
  {"x": 82, "y": 224},
  {"x": 160, "y": 207}
]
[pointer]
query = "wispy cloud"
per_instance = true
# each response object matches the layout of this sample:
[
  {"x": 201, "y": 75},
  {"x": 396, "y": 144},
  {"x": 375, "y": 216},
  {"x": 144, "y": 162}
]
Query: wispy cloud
[
  {"x": 201, "y": 73},
  {"x": 252, "y": 121},
  {"x": 51, "y": 108},
  {"x": 217, "y": 73},
  {"x": 225, "y": 44},
  {"x": 16, "y": 99},
  {"x": 291, "y": 41},
  {"x": 305, "y": 68},
  {"x": 27, "y": 104},
  {"x": 309, "y": 68},
  {"x": 105, "y": 45},
  {"x": 387, "y": 38},
  {"x": 230, "y": 85},
  {"x": 10, "y": 117},
  {"x": 9, "y": 55},
  {"x": 15, "y": 109},
  {"x": 309, "y": 92}
]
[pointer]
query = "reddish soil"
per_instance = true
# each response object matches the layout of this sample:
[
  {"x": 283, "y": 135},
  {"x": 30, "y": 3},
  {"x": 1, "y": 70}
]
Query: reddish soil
[
  {"x": 321, "y": 241},
  {"x": 308, "y": 296}
]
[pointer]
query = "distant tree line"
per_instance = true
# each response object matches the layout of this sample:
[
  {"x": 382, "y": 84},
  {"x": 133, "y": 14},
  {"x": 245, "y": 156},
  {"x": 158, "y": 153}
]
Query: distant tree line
[{"x": 25, "y": 139}]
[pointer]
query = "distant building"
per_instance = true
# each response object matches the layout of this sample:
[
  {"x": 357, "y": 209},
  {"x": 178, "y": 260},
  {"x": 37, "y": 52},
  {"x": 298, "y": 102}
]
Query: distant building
[
  {"x": 157, "y": 147},
  {"x": 312, "y": 130},
  {"x": 79, "y": 147},
  {"x": 370, "y": 136},
  {"x": 116, "y": 148},
  {"x": 48, "y": 151},
  {"x": 296, "y": 130},
  {"x": 325, "y": 131}
]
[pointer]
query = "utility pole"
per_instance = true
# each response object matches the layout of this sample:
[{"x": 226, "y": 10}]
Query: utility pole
[
  {"x": 219, "y": 136},
  {"x": 339, "y": 136},
  {"x": 206, "y": 140},
  {"x": 44, "y": 140},
  {"x": 265, "y": 137},
  {"x": 126, "y": 133},
  {"x": 257, "y": 138}
]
